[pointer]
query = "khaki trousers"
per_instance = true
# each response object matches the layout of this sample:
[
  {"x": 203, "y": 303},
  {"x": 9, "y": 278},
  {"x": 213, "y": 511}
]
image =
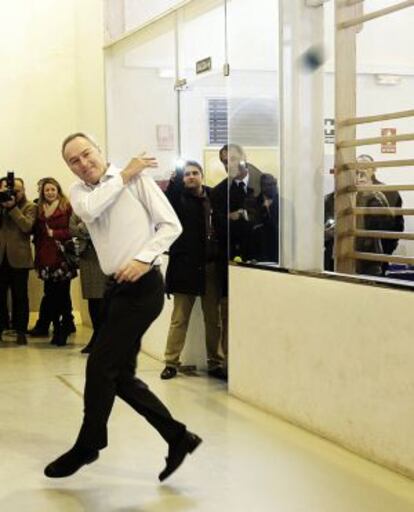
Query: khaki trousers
[{"x": 180, "y": 318}]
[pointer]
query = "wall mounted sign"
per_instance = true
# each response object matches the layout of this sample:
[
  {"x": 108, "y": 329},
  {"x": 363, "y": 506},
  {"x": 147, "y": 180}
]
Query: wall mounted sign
[
  {"x": 388, "y": 147},
  {"x": 165, "y": 136},
  {"x": 329, "y": 130},
  {"x": 203, "y": 65}
]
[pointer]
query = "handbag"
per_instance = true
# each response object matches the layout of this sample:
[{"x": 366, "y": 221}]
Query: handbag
[{"x": 70, "y": 250}]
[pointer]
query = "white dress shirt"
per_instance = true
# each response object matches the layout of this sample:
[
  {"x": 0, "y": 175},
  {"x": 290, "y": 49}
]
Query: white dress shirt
[
  {"x": 245, "y": 180},
  {"x": 125, "y": 221}
]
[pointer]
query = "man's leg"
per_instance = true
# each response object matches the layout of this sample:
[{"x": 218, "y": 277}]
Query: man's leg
[
  {"x": 210, "y": 303},
  {"x": 4, "y": 286},
  {"x": 20, "y": 301},
  {"x": 95, "y": 313},
  {"x": 183, "y": 305},
  {"x": 131, "y": 310},
  {"x": 137, "y": 394}
]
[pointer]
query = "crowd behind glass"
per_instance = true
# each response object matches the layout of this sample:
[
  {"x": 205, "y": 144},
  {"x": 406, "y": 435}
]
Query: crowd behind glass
[{"x": 237, "y": 219}]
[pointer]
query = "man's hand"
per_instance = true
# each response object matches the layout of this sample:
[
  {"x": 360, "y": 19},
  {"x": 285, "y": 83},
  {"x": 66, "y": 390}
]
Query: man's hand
[
  {"x": 9, "y": 204},
  {"x": 132, "y": 271},
  {"x": 137, "y": 165}
]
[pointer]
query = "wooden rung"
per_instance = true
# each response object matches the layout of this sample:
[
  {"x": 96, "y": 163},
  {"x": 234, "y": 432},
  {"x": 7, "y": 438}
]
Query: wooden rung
[
  {"x": 380, "y": 211},
  {"x": 374, "y": 188},
  {"x": 376, "y": 14},
  {"x": 377, "y": 163},
  {"x": 378, "y": 188},
  {"x": 369, "y": 256},
  {"x": 354, "y": 2},
  {"x": 375, "y": 140},
  {"x": 373, "y": 119},
  {"x": 365, "y": 233}
]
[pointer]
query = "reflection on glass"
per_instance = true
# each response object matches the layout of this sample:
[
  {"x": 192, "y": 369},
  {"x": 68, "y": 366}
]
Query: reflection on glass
[
  {"x": 141, "y": 101},
  {"x": 253, "y": 208},
  {"x": 384, "y": 222},
  {"x": 252, "y": 159}
]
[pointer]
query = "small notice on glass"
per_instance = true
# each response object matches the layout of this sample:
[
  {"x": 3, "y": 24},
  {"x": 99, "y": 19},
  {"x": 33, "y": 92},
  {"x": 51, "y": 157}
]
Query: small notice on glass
[{"x": 203, "y": 65}]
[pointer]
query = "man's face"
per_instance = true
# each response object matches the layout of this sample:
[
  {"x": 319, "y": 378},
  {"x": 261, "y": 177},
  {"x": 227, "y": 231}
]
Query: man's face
[
  {"x": 236, "y": 164},
  {"x": 192, "y": 177},
  {"x": 268, "y": 185},
  {"x": 223, "y": 159},
  {"x": 85, "y": 160},
  {"x": 18, "y": 188}
]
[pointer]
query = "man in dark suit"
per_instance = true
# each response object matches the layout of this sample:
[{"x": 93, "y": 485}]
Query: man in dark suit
[
  {"x": 17, "y": 216},
  {"x": 244, "y": 188}
]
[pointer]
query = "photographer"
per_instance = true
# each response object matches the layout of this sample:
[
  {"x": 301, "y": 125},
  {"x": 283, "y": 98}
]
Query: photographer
[
  {"x": 192, "y": 270},
  {"x": 17, "y": 216}
]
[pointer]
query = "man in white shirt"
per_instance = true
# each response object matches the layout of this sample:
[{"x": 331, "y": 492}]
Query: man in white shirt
[{"x": 131, "y": 224}]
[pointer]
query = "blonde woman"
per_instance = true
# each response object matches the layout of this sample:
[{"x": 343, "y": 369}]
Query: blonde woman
[{"x": 52, "y": 228}]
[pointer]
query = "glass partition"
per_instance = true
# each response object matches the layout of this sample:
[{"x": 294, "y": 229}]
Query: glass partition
[
  {"x": 253, "y": 157},
  {"x": 141, "y": 101},
  {"x": 201, "y": 58},
  {"x": 122, "y": 16}
]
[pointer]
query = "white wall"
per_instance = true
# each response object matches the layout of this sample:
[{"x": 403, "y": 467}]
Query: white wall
[
  {"x": 52, "y": 85},
  {"x": 333, "y": 357}
]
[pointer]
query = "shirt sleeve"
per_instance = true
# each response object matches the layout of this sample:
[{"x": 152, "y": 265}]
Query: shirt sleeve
[
  {"x": 88, "y": 204},
  {"x": 167, "y": 225}
]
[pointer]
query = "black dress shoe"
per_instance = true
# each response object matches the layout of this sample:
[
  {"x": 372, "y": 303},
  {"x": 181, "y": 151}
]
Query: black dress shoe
[
  {"x": 177, "y": 452},
  {"x": 87, "y": 349},
  {"x": 70, "y": 462},
  {"x": 168, "y": 372},
  {"x": 37, "y": 332},
  {"x": 218, "y": 373},
  {"x": 70, "y": 327}
]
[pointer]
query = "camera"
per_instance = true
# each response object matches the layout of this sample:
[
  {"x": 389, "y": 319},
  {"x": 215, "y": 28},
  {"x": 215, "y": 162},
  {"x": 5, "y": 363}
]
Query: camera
[{"x": 9, "y": 193}]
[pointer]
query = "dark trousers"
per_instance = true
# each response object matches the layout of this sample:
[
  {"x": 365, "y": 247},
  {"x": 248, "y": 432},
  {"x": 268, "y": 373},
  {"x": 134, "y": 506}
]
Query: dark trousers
[
  {"x": 57, "y": 294},
  {"x": 16, "y": 280},
  {"x": 47, "y": 307},
  {"x": 129, "y": 310},
  {"x": 95, "y": 308}
]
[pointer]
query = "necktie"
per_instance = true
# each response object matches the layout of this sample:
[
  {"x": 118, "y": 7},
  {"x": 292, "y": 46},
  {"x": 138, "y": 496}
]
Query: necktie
[{"x": 242, "y": 187}]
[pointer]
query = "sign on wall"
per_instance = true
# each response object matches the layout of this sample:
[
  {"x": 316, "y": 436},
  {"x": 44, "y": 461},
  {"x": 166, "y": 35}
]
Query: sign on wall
[
  {"x": 329, "y": 130},
  {"x": 388, "y": 147},
  {"x": 165, "y": 136}
]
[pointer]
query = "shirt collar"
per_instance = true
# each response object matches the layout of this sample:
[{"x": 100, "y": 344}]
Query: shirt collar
[
  {"x": 111, "y": 172},
  {"x": 245, "y": 180}
]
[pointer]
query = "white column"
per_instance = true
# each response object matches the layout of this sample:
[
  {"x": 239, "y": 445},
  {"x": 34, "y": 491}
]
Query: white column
[{"x": 302, "y": 137}]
